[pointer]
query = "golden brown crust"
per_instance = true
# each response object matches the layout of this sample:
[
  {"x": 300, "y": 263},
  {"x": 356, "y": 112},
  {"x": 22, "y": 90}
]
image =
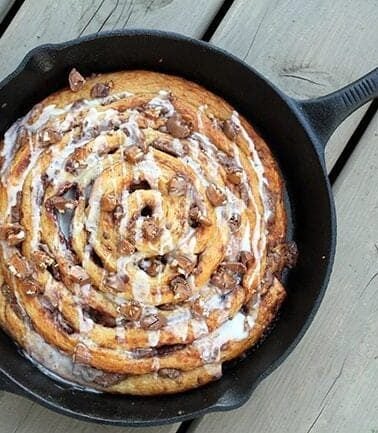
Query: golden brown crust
[{"x": 142, "y": 232}]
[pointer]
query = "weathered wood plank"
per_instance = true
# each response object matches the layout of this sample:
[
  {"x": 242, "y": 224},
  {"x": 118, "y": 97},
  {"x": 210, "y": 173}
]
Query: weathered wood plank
[
  {"x": 330, "y": 382},
  {"x": 45, "y": 21},
  {"x": 307, "y": 48},
  {"x": 5, "y": 5}
]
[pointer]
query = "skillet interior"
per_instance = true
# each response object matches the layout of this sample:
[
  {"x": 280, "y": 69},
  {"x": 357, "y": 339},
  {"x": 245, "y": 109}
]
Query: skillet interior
[{"x": 45, "y": 70}]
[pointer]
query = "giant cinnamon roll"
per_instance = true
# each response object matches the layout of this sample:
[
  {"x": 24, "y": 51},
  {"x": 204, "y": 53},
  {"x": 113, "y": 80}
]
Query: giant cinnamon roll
[{"x": 142, "y": 233}]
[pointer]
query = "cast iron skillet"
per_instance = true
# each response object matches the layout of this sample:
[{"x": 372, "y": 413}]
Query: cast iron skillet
[{"x": 297, "y": 132}]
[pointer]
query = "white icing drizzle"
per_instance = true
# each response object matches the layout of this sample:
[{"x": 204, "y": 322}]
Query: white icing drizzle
[
  {"x": 162, "y": 102},
  {"x": 153, "y": 338}
]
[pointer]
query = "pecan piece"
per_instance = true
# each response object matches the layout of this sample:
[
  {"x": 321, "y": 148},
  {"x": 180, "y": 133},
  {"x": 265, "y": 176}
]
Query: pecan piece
[
  {"x": 59, "y": 203},
  {"x": 170, "y": 373},
  {"x": 215, "y": 196},
  {"x": 153, "y": 322},
  {"x": 116, "y": 281},
  {"x": 42, "y": 260},
  {"x": 13, "y": 233},
  {"x": 225, "y": 279},
  {"x": 247, "y": 258},
  {"x": 177, "y": 185},
  {"x": 234, "y": 223},
  {"x": 196, "y": 216},
  {"x": 173, "y": 148},
  {"x": 32, "y": 287},
  {"x": 183, "y": 263},
  {"x": 151, "y": 266},
  {"x": 180, "y": 288},
  {"x": 234, "y": 174},
  {"x": 133, "y": 154},
  {"x": 76, "y": 80},
  {"x": 126, "y": 247},
  {"x": 151, "y": 230},
  {"x": 100, "y": 90},
  {"x": 49, "y": 136},
  {"x": 19, "y": 267},
  {"x": 132, "y": 310},
  {"x": 109, "y": 202},
  {"x": 177, "y": 127},
  {"x": 230, "y": 129}
]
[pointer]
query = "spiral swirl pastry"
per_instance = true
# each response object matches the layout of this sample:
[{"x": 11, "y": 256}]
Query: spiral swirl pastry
[{"x": 142, "y": 233}]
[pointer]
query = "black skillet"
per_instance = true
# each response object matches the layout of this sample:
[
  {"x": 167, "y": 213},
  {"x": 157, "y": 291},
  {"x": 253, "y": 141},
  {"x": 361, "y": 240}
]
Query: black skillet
[{"x": 297, "y": 132}]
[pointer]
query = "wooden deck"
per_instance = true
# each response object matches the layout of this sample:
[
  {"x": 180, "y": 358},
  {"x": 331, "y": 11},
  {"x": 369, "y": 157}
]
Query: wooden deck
[{"x": 308, "y": 48}]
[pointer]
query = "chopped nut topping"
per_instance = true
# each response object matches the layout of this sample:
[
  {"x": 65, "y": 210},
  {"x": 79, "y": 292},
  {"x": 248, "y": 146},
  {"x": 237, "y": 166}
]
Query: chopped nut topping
[
  {"x": 247, "y": 258},
  {"x": 60, "y": 203},
  {"x": 19, "y": 267},
  {"x": 180, "y": 288},
  {"x": 118, "y": 213},
  {"x": 42, "y": 260},
  {"x": 234, "y": 267},
  {"x": 116, "y": 281},
  {"x": 76, "y": 80},
  {"x": 173, "y": 148},
  {"x": 196, "y": 216},
  {"x": 244, "y": 193},
  {"x": 100, "y": 90},
  {"x": 225, "y": 279},
  {"x": 73, "y": 165},
  {"x": 49, "y": 136},
  {"x": 13, "y": 233},
  {"x": 152, "y": 266},
  {"x": 234, "y": 223},
  {"x": 234, "y": 174},
  {"x": 109, "y": 202},
  {"x": 131, "y": 310},
  {"x": 134, "y": 154},
  {"x": 215, "y": 195},
  {"x": 170, "y": 373},
  {"x": 126, "y": 247},
  {"x": 151, "y": 230},
  {"x": 153, "y": 322},
  {"x": 78, "y": 275},
  {"x": 32, "y": 287},
  {"x": 182, "y": 263},
  {"x": 178, "y": 185},
  {"x": 230, "y": 129},
  {"x": 177, "y": 127}
]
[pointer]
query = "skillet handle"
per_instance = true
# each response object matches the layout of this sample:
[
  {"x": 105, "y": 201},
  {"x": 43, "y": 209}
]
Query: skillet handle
[{"x": 325, "y": 114}]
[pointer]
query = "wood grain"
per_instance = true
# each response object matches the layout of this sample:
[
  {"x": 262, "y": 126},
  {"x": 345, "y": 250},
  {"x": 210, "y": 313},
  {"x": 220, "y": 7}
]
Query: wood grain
[
  {"x": 43, "y": 21},
  {"x": 5, "y": 5},
  {"x": 307, "y": 48},
  {"x": 329, "y": 383}
]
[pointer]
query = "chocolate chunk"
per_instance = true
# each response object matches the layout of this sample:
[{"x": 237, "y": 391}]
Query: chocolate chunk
[
  {"x": 133, "y": 154},
  {"x": 152, "y": 266},
  {"x": 215, "y": 196},
  {"x": 180, "y": 287},
  {"x": 132, "y": 310},
  {"x": 230, "y": 129},
  {"x": 178, "y": 185},
  {"x": 246, "y": 258},
  {"x": 106, "y": 380},
  {"x": 100, "y": 90},
  {"x": 76, "y": 80},
  {"x": 225, "y": 279},
  {"x": 234, "y": 223},
  {"x": 116, "y": 281},
  {"x": 153, "y": 322},
  {"x": 170, "y": 373},
  {"x": 151, "y": 230},
  {"x": 177, "y": 127},
  {"x": 109, "y": 202}
]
